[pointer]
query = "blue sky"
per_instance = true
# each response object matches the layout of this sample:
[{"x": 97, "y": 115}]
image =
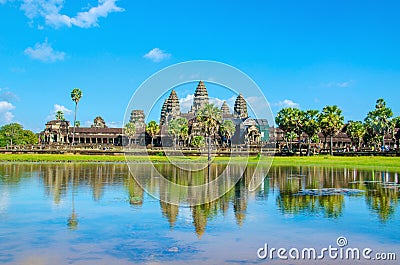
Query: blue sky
[{"x": 300, "y": 53}]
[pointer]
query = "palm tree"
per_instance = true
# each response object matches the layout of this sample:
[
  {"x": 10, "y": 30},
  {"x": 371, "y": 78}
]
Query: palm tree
[
  {"x": 380, "y": 119},
  {"x": 76, "y": 96},
  {"x": 209, "y": 117},
  {"x": 175, "y": 127},
  {"x": 60, "y": 115},
  {"x": 129, "y": 130},
  {"x": 227, "y": 129},
  {"x": 311, "y": 126},
  {"x": 152, "y": 129},
  {"x": 331, "y": 121}
]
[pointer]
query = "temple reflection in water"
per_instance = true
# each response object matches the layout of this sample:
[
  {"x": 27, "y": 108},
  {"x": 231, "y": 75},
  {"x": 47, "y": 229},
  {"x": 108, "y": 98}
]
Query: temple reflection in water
[{"x": 62, "y": 182}]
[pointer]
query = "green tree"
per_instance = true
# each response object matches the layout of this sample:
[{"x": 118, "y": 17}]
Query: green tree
[
  {"x": 396, "y": 122},
  {"x": 29, "y": 137},
  {"x": 129, "y": 130},
  {"x": 379, "y": 120},
  {"x": 210, "y": 118},
  {"x": 227, "y": 129},
  {"x": 291, "y": 122},
  {"x": 356, "y": 131},
  {"x": 198, "y": 142},
  {"x": 175, "y": 128},
  {"x": 282, "y": 119},
  {"x": 14, "y": 134},
  {"x": 152, "y": 129},
  {"x": 184, "y": 133},
  {"x": 60, "y": 115},
  {"x": 331, "y": 121},
  {"x": 311, "y": 127},
  {"x": 76, "y": 95},
  {"x": 77, "y": 123}
]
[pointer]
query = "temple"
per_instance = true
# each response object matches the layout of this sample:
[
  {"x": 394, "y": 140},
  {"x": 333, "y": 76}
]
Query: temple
[{"x": 248, "y": 131}]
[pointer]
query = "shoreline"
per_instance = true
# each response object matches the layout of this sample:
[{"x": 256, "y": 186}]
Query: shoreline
[{"x": 362, "y": 162}]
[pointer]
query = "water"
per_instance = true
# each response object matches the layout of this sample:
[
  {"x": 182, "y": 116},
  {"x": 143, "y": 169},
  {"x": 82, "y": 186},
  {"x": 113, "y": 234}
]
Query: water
[{"x": 98, "y": 214}]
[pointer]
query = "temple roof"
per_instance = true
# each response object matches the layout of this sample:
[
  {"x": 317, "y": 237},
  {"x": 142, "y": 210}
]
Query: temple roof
[{"x": 240, "y": 108}]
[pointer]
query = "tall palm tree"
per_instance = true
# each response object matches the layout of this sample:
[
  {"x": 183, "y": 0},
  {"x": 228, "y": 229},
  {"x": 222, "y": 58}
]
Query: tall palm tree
[
  {"x": 210, "y": 118},
  {"x": 152, "y": 129},
  {"x": 380, "y": 120},
  {"x": 331, "y": 121},
  {"x": 76, "y": 96}
]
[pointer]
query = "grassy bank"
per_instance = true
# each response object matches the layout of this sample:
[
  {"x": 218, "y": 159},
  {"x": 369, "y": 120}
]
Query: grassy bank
[{"x": 388, "y": 163}]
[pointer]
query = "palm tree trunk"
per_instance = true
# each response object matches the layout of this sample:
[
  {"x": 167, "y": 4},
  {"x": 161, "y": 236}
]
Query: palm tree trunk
[
  {"x": 73, "y": 133},
  {"x": 383, "y": 142},
  {"x": 308, "y": 146},
  {"x": 331, "y": 147},
  {"x": 209, "y": 148}
]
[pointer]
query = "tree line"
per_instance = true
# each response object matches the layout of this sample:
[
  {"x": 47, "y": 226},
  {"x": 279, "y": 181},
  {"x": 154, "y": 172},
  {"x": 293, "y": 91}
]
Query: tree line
[{"x": 371, "y": 132}]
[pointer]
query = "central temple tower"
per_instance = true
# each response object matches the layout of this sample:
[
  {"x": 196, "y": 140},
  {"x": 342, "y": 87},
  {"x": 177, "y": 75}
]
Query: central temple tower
[{"x": 200, "y": 98}]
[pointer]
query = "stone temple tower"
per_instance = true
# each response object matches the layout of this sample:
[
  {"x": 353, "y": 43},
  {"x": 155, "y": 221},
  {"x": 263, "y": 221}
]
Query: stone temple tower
[
  {"x": 240, "y": 109},
  {"x": 225, "y": 109},
  {"x": 170, "y": 109},
  {"x": 200, "y": 98}
]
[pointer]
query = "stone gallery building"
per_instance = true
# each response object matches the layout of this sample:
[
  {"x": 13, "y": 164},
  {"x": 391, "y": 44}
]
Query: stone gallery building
[{"x": 249, "y": 131}]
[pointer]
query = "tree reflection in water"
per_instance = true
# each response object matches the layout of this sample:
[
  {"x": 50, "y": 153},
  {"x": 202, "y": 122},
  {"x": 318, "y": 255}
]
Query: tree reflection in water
[{"x": 282, "y": 184}]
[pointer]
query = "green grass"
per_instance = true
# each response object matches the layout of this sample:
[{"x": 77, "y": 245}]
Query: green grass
[{"x": 387, "y": 163}]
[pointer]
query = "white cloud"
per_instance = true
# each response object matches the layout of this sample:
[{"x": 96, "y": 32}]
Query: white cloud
[
  {"x": 44, "y": 52},
  {"x": 7, "y": 95},
  {"x": 186, "y": 102},
  {"x": 343, "y": 84},
  {"x": 56, "y": 108},
  {"x": 114, "y": 124},
  {"x": 286, "y": 103},
  {"x": 50, "y": 11},
  {"x": 6, "y": 115},
  {"x": 157, "y": 55},
  {"x": 87, "y": 124}
]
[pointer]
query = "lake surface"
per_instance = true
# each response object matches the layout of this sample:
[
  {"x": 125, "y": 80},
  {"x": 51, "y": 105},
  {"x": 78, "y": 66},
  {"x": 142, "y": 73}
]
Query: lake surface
[{"x": 98, "y": 214}]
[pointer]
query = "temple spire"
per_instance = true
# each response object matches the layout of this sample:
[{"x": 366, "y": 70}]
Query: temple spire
[
  {"x": 240, "y": 109},
  {"x": 200, "y": 97},
  {"x": 225, "y": 109},
  {"x": 170, "y": 109}
]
